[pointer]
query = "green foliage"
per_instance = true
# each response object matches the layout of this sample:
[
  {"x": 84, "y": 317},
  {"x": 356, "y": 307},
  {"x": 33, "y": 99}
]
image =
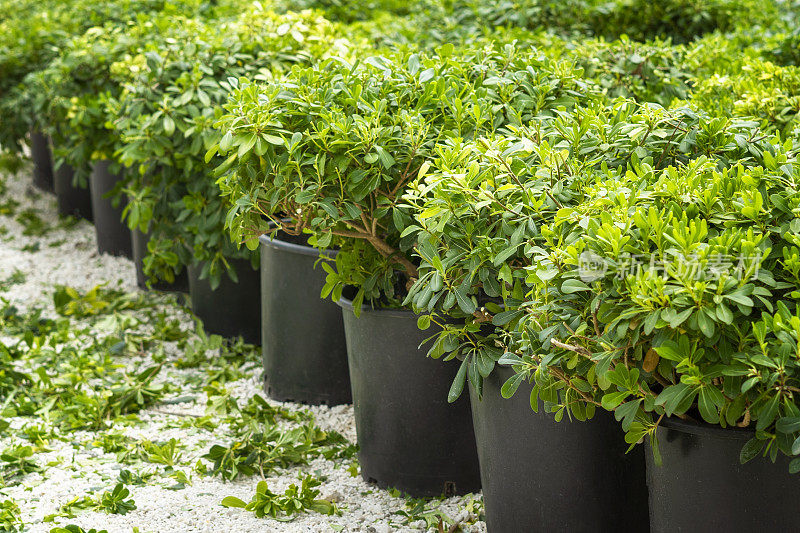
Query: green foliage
[
  {"x": 295, "y": 500},
  {"x": 332, "y": 147},
  {"x": 173, "y": 94},
  {"x": 31, "y": 34},
  {"x": 762, "y": 90},
  {"x": 10, "y": 520},
  {"x": 680, "y": 20},
  {"x": 481, "y": 209},
  {"x": 98, "y": 300},
  {"x": 260, "y": 446},
  {"x": 71, "y": 528},
  {"x": 646, "y": 72},
  {"x": 114, "y": 502},
  {"x": 15, "y": 462},
  {"x": 704, "y": 329}
]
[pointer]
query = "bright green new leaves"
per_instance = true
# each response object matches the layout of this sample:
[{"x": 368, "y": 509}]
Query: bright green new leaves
[{"x": 762, "y": 90}]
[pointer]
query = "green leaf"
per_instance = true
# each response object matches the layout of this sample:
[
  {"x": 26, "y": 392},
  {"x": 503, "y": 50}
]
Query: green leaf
[
  {"x": 169, "y": 125},
  {"x": 273, "y": 139},
  {"x": 788, "y": 424},
  {"x": 707, "y": 407},
  {"x": 767, "y": 414},
  {"x": 232, "y": 501},
  {"x": 573, "y": 285},
  {"x": 424, "y": 322},
  {"x": 611, "y": 400},
  {"x": 750, "y": 450},
  {"x": 465, "y": 303},
  {"x": 511, "y": 385},
  {"x": 459, "y": 381}
]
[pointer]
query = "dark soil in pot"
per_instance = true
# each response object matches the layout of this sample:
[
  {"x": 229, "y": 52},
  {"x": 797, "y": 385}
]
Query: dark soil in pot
[
  {"x": 113, "y": 235},
  {"x": 302, "y": 335},
  {"x": 409, "y": 436},
  {"x": 701, "y": 485},
  {"x": 72, "y": 200},
  {"x": 540, "y": 475},
  {"x": 139, "y": 246},
  {"x": 42, "y": 161},
  {"x": 233, "y": 309}
]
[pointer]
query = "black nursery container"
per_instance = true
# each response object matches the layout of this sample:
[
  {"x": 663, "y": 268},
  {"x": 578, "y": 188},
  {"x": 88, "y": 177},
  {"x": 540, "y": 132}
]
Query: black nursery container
[
  {"x": 72, "y": 200},
  {"x": 42, "y": 161},
  {"x": 113, "y": 235},
  {"x": 409, "y": 436},
  {"x": 701, "y": 485},
  {"x": 139, "y": 246},
  {"x": 233, "y": 309},
  {"x": 302, "y": 335},
  {"x": 539, "y": 475}
]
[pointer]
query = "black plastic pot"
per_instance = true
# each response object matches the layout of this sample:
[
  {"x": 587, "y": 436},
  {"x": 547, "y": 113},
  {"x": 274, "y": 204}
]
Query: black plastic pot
[
  {"x": 302, "y": 335},
  {"x": 233, "y": 309},
  {"x": 72, "y": 200},
  {"x": 42, "y": 161},
  {"x": 409, "y": 437},
  {"x": 540, "y": 475},
  {"x": 139, "y": 246},
  {"x": 701, "y": 485},
  {"x": 113, "y": 235}
]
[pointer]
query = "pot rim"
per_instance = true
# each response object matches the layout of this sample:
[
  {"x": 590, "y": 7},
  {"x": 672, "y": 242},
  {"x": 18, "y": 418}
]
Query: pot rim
[
  {"x": 347, "y": 304},
  {"x": 698, "y": 428},
  {"x": 278, "y": 244}
]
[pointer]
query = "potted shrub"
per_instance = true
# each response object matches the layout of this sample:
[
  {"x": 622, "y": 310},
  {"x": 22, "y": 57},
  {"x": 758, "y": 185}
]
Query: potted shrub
[
  {"x": 69, "y": 95},
  {"x": 335, "y": 145},
  {"x": 32, "y": 35},
  {"x": 171, "y": 99},
  {"x": 484, "y": 213},
  {"x": 695, "y": 344}
]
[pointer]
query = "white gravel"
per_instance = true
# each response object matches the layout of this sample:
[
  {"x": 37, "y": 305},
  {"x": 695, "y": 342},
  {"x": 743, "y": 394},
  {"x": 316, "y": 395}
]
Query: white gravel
[{"x": 68, "y": 256}]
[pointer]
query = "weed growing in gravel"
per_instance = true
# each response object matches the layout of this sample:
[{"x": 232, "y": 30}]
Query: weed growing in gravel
[
  {"x": 10, "y": 520},
  {"x": 77, "y": 529},
  {"x": 32, "y": 223},
  {"x": 15, "y": 462},
  {"x": 114, "y": 502},
  {"x": 295, "y": 499},
  {"x": 17, "y": 277}
]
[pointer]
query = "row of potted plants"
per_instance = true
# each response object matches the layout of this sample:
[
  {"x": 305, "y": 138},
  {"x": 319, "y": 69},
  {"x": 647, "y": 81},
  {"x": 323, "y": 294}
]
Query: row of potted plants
[{"x": 504, "y": 205}]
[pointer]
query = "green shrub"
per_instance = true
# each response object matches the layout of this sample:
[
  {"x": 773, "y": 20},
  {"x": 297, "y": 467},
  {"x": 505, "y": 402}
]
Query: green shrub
[
  {"x": 333, "y": 146},
  {"x": 679, "y": 20},
  {"x": 645, "y": 72},
  {"x": 173, "y": 93},
  {"x": 766, "y": 92},
  {"x": 71, "y": 95},
  {"x": 355, "y": 10},
  {"x": 696, "y": 313},
  {"x": 32, "y": 35},
  {"x": 482, "y": 212}
]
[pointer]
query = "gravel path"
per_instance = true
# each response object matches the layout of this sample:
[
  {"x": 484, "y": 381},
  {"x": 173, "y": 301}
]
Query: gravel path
[{"x": 65, "y": 254}]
